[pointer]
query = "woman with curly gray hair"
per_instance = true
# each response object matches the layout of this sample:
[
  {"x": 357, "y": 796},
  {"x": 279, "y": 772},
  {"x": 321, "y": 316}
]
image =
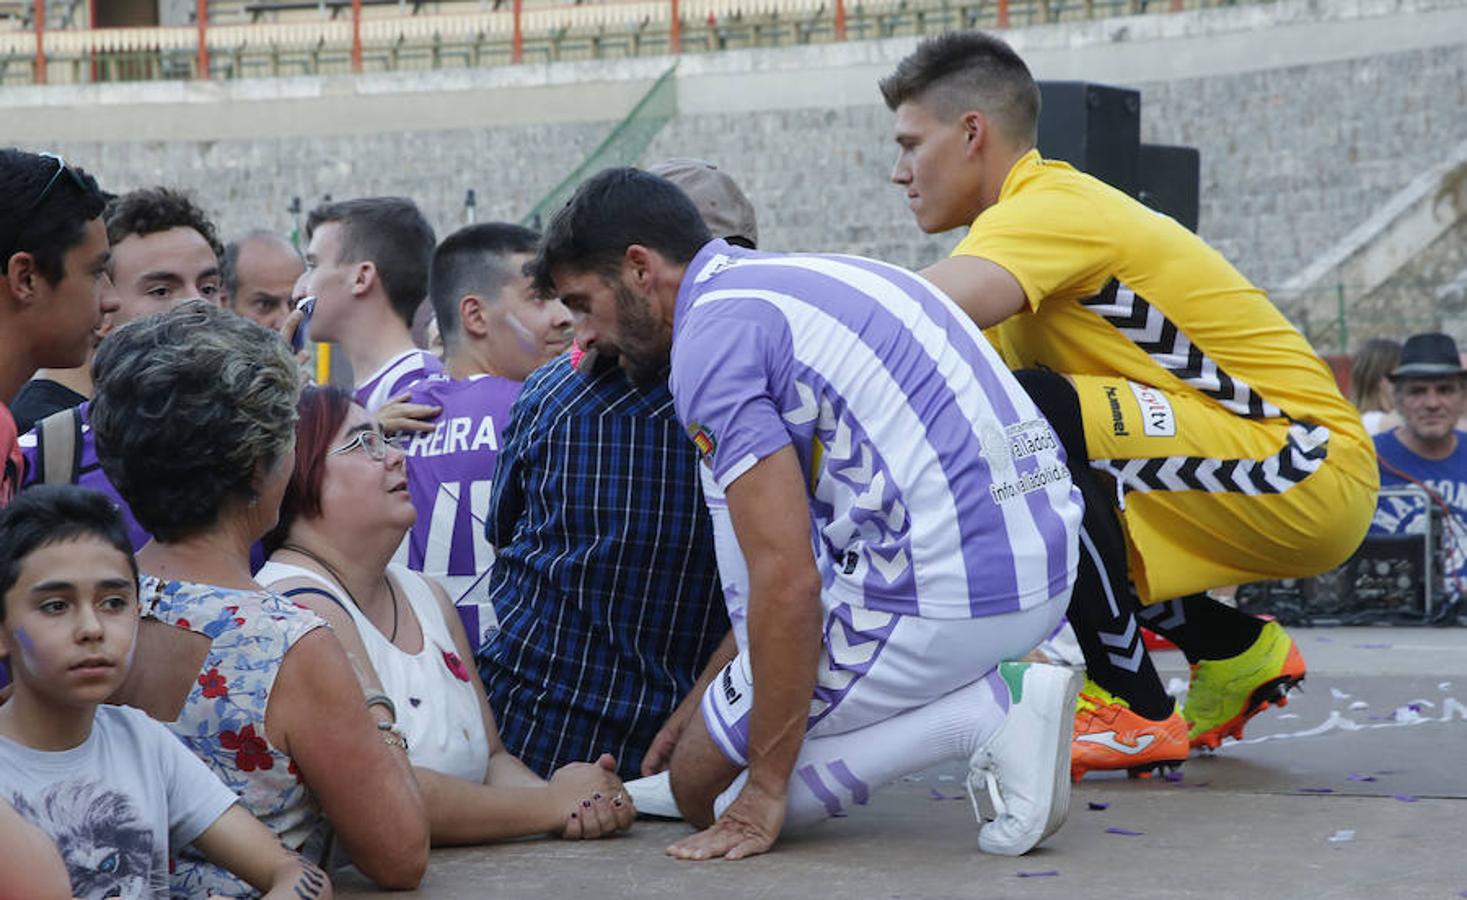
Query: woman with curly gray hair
[{"x": 194, "y": 416}]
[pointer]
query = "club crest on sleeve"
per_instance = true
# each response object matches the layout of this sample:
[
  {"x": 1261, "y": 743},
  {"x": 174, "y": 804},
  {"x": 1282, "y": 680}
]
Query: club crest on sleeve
[{"x": 703, "y": 439}]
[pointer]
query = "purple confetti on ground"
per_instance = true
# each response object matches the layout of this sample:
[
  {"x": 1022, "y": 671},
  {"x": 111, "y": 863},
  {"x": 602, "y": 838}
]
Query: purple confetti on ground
[
  {"x": 1414, "y": 707},
  {"x": 935, "y": 794},
  {"x": 1052, "y": 873},
  {"x": 1406, "y": 798},
  {"x": 1316, "y": 790},
  {"x": 1125, "y": 831},
  {"x": 1172, "y": 777},
  {"x": 1099, "y": 806},
  {"x": 1374, "y": 646},
  {"x": 1356, "y": 776}
]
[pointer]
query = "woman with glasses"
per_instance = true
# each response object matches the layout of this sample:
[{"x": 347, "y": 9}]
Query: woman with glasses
[
  {"x": 194, "y": 416},
  {"x": 344, "y": 515}
]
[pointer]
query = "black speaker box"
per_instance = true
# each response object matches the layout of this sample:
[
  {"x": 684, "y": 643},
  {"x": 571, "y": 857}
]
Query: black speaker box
[
  {"x": 1094, "y": 127},
  {"x": 1171, "y": 180}
]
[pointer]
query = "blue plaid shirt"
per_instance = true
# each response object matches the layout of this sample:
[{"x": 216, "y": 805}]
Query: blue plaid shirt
[{"x": 605, "y": 580}]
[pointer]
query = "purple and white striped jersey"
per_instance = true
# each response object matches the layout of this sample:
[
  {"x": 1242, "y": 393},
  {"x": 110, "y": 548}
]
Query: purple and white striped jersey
[
  {"x": 450, "y": 472},
  {"x": 936, "y": 488},
  {"x": 396, "y": 375}
]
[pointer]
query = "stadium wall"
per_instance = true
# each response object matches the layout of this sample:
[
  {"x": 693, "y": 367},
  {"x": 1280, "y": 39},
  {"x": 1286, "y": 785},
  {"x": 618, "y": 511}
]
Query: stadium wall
[{"x": 1308, "y": 115}]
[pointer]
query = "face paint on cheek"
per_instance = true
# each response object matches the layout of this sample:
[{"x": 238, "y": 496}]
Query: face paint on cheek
[
  {"x": 27, "y": 649},
  {"x": 523, "y": 335}
]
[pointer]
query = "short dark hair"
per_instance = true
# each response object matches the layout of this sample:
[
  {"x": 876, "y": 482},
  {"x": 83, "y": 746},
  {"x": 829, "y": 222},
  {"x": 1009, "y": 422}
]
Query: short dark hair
[
  {"x": 322, "y": 411},
  {"x": 50, "y": 230},
  {"x": 189, "y": 406},
  {"x": 150, "y": 210},
  {"x": 474, "y": 260},
  {"x": 390, "y": 233},
  {"x": 56, "y": 514},
  {"x": 609, "y": 212},
  {"x": 962, "y": 70}
]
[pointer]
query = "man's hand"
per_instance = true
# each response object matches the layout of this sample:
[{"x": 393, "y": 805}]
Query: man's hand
[
  {"x": 659, "y": 754},
  {"x": 748, "y": 827},
  {"x": 302, "y": 356},
  {"x": 397, "y": 415}
]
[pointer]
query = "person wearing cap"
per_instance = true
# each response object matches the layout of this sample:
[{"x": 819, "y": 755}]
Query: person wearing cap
[
  {"x": 604, "y": 578},
  {"x": 1427, "y": 449}
]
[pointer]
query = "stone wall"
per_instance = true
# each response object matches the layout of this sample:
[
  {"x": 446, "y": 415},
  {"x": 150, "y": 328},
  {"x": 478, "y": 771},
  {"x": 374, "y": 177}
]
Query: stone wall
[{"x": 1304, "y": 124}]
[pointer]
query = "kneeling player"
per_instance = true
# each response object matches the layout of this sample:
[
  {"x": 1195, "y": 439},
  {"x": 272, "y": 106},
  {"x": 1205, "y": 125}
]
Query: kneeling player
[{"x": 906, "y": 516}]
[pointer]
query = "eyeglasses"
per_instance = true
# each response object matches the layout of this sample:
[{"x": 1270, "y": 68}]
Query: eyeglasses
[
  {"x": 61, "y": 168},
  {"x": 370, "y": 440}
]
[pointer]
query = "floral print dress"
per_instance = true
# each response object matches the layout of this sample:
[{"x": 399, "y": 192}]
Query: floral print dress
[{"x": 223, "y": 720}]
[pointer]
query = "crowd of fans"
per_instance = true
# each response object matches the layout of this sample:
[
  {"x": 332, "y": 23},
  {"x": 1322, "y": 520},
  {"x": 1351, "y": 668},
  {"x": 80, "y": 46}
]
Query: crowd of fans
[{"x": 265, "y": 628}]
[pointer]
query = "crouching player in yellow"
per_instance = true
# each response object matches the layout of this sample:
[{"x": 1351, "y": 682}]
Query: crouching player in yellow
[{"x": 1211, "y": 443}]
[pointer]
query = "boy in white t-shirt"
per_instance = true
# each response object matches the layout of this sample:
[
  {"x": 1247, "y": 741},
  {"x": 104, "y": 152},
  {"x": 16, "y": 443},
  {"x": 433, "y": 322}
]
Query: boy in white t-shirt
[{"x": 115, "y": 790}]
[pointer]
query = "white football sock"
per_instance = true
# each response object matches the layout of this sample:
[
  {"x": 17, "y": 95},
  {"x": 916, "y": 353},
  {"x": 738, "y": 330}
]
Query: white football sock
[{"x": 840, "y": 769}]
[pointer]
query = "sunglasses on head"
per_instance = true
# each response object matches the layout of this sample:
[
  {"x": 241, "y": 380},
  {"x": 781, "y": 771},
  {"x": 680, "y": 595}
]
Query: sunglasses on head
[{"x": 61, "y": 169}]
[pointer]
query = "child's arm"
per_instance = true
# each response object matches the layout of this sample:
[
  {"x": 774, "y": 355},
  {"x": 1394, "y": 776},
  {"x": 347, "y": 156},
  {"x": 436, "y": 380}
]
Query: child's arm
[
  {"x": 29, "y": 864},
  {"x": 238, "y": 842}
]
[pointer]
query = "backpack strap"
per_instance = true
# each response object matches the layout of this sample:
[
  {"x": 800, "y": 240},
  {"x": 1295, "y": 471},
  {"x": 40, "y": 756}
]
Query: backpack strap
[{"x": 59, "y": 438}]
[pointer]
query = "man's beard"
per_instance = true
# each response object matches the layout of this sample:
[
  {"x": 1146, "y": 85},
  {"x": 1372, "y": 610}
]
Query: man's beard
[{"x": 645, "y": 341}]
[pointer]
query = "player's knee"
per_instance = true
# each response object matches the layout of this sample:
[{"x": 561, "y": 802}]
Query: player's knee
[{"x": 698, "y": 773}]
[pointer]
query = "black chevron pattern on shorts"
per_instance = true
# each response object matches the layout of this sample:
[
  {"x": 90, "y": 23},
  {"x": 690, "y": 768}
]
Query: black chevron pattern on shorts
[
  {"x": 1305, "y": 449},
  {"x": 1144, "y": 325}
]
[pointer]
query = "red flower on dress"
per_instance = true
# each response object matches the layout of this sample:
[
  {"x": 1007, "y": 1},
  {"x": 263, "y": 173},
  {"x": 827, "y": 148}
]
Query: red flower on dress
[
  {"x": 215, "y": 685},
  {"x": 183, "y": 623},
  {"x": 455, "y": 665},
  {"x": 292, "y": 769},
  {"x": 252, "y": 752}
]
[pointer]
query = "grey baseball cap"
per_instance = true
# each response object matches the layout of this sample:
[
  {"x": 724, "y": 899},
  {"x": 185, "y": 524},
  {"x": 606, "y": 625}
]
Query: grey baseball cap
[{"x": 722, "y": 204}]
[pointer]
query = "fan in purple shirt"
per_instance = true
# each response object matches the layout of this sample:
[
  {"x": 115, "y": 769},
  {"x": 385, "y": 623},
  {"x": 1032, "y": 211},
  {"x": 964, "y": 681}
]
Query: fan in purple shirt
[{"x": 496, "y": 331}]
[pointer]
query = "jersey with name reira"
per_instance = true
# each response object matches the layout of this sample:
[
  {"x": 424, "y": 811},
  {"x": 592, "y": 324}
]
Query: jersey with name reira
[
  {"x": 935, "y": 487},
  {"x": 450, "y": 474}
]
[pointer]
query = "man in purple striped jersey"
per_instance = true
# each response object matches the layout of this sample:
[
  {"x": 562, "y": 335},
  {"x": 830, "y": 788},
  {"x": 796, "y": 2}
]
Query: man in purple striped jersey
[
  {"x": 367, "y": 266},
  {"x": 904, "y": 520},
  {"x": 496, "y": 331}
]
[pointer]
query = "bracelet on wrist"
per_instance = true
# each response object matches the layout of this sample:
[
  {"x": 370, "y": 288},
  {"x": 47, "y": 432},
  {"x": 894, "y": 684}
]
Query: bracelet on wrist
[{"x": 377, "y": 698}]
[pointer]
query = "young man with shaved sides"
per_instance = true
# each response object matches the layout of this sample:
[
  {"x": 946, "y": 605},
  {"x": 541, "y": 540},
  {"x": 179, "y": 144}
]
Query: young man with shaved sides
[{"x": 1211, "y": 443}]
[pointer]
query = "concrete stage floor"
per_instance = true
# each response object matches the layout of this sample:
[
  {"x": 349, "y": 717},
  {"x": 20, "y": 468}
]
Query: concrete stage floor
[{"x": 1357, "y": 789}]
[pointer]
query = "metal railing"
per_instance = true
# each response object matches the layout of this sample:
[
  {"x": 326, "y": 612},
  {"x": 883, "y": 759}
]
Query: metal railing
[{"x": 519, "y": 32}]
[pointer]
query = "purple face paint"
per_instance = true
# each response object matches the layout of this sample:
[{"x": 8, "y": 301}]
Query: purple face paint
[
  {"x": 27, "y": 649},
  {"x": 522, "y": 333}
]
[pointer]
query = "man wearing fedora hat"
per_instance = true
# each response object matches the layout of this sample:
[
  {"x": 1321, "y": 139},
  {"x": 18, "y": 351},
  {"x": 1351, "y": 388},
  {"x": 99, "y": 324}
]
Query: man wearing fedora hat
[{"x": 1430, "y": 389}]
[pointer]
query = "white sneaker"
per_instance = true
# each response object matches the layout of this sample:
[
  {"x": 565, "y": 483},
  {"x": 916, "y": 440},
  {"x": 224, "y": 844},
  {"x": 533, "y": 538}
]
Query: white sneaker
[{"x": 1025, "y": 768}]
